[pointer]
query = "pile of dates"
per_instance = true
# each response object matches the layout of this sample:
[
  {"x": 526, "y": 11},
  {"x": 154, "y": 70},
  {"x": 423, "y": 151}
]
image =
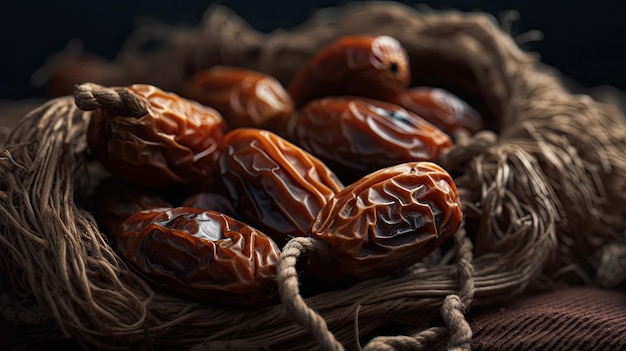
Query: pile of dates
[{"x": 208, "y": 185}]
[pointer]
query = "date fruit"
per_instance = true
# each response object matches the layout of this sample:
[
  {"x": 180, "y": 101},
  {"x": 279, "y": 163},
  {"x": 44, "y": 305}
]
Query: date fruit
[
  {"x": 374, "y": 66},
  {"x": 273, "y": 184},
  {"x": 175, "y": 142},
  {"x": 441, "y": 108},
  {"x": 387, "y": 221},
  {"x": 245, "y": 98},
  {"x": 115, "y": 201},
  {"x": 355, "y": 136},
  {"x": 202, "y": 254}
]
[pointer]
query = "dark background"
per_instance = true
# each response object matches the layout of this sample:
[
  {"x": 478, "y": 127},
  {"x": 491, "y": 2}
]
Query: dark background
[{"x": 585, "y": 40}]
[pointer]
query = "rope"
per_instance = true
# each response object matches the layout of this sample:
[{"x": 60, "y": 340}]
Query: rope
[
  {"x": 452, "y": 311},
  {"x": 404, "y": 343},
  {"x": 118, "y": 100},
  {"x": 454, "y": 306},
  {"x": 465, "y": 148},
  {"x": 290, "y": 292}
]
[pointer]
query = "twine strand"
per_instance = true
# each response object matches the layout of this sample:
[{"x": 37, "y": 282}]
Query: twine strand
[
  {"x": 460, "y": 331},
  {"x": 465, "y": 148},
  {"x": 414, "y": 342},
  {"x": 465, "y": 267},
  {"x": 454, "y": 306},
  {"x": 117, "y": 100},
  {"x": 293, "y": 301}
]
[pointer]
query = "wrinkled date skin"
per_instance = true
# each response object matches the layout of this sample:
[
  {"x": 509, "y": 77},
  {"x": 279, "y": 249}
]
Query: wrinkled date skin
[
  {"x": 202, "y": 254},
  {"x": 210, "y": 201},
  {"x": 274, "y": 185},
  {"x": 175, "y": 142},
  {"x": 356, "y": 136},
  {"x": 370, "y": 66},
  {"x": 245, "y": 98},
  {"x": 387, "y": 221},
  {"x": 441, "y": 108},
  {"x": 114, "y": 202}
]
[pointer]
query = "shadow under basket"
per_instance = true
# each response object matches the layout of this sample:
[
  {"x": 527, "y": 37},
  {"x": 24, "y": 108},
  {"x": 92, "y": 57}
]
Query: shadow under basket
[{"x": 543, "y": 193}]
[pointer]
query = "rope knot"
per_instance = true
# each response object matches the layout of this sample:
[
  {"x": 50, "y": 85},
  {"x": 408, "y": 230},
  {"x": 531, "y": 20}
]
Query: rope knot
[{"x": 116, "y": 100}]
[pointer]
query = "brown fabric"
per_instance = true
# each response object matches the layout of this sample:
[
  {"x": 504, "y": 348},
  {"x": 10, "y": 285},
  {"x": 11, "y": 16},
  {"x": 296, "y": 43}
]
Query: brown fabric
[
  {"x": 584, "y": 319},
  {"x": 570, "y": 319}
]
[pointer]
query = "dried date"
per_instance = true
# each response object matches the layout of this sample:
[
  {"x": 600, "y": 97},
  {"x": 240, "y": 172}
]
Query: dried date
[
  {"x": 387, "y": 221},
  {"x": 441, "y": 108},
  {"x": 370, "y": 66},
  {"x": 170, "y": 141},
  {"x": 245, "y": 98},
  {"x": 274, "y": 185},
  {"x": 202, "y": 254},
  {"x": 114, "y": 202},
  {"x": 356, "y": 136}
]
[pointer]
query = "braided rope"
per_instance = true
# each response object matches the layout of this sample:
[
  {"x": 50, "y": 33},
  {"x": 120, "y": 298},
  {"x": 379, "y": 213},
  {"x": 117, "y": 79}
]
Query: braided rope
[
  {"x": 418, "y": 341},
  {"x": 455, "y": 305},
  {"x": 290, "y": 292},
  {"x": 121, "y": 101}
]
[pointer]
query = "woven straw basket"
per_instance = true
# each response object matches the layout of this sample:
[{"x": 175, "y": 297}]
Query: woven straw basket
[{"x": 543, "y": 191}]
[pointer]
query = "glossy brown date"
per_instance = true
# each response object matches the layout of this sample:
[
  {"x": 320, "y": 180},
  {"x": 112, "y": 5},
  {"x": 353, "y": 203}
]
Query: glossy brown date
[
  {"x": 356, "y": 136},
  {"x": 202, "y": 254},
  {"x": 387, "y": 221},
  {"x": 114, "y": 202},
  {"x": 369, "y": 66},
  {"x": 176, "y": 142},
  {"x": 441, "y": 108},
  {"x": 245, "y": 98},
  {"x": 274, "y": 185}
]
